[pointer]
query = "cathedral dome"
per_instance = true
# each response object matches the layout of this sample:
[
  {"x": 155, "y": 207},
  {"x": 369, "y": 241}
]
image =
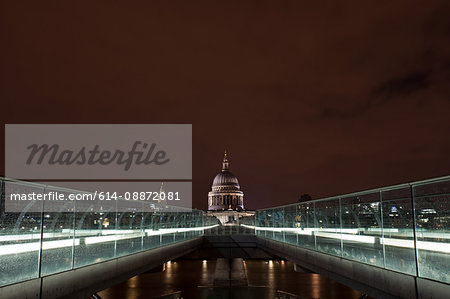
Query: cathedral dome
[
  {"x": 225, "y": 178},
  {"x": 225, "y": 194}
]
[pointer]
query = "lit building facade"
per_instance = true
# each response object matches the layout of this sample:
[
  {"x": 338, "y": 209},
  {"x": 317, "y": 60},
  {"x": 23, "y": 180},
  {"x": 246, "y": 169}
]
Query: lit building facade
[{"x": 226, "y": 194}]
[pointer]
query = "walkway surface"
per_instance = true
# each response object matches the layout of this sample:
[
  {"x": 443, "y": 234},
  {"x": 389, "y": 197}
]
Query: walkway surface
[{"x": 195, "y": 278}]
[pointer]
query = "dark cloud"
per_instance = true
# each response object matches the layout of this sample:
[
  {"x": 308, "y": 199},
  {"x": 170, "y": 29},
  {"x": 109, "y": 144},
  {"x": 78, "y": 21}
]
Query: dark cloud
[
  {"x": 403, "y": 86},
  {"x": 390, "y": 90}
]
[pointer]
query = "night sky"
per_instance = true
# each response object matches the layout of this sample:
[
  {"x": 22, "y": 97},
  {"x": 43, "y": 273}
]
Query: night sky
[{"x": 306, "y": 96}]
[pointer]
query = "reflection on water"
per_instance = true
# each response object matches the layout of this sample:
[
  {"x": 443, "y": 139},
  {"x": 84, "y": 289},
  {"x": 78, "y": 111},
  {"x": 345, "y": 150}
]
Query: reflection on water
[
  {"x": 132, "y": 289},
  {"x": 271, "y": 275},
  {"x": 204, "y": 274},
  {"x": 315, "y": 283},
  {"x": 187, "y": 275}
]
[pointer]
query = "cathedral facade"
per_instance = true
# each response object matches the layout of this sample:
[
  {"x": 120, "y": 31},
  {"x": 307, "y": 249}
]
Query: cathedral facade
[{"x": 225, "y": 194}]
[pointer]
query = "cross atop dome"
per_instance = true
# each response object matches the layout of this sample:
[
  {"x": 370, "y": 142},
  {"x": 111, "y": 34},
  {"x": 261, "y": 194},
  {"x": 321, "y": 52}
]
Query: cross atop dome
[{"x": 225, "y": 162}]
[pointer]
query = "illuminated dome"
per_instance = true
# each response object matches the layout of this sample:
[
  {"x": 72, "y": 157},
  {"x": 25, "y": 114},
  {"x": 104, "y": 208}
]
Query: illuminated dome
[
  {"x": 225, "y": 178},
  {"x": 226, "y": 193}
]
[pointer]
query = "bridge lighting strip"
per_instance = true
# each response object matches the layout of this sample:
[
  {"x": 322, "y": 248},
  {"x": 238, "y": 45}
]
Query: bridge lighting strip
[
  {"x": 356, "y": 238},
  {"x": 110, "y": 238},
  {"x": 130, "y": 234},
  {"x": 421, "y": 245},
  {"x": 148, "y": 232},
  {"x": 302, "y": 231},
  {"x": 164, "y": 231},
  {"x": 29, "y": 247},
  {"x": 280, "y": 229}
]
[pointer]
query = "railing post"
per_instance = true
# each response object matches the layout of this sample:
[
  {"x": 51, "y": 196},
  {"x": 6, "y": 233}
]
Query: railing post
[
  {"x": 73, "y": 235},
  {"x": 174, "y": 225},
  {"x": 340, "y": 225},
  {"x": 315, "y": 224},
  {"x": 382, "y": 229},
  {"x": 41, "y": 239},
  {"x": 416, "y": 253},
  {"x": 115, "y": 233},
  {"x": 142, "y": 230},
  {"x": 297, "y": 214},
  {"x": 284, "y": 225},
  {"x": 413, "y": 207}
]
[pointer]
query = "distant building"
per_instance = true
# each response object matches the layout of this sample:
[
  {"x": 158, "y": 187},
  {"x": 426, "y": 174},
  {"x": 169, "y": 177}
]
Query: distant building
[
  {"x": 226, "y": 193},
  {"x": 226, "y": 199}
]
